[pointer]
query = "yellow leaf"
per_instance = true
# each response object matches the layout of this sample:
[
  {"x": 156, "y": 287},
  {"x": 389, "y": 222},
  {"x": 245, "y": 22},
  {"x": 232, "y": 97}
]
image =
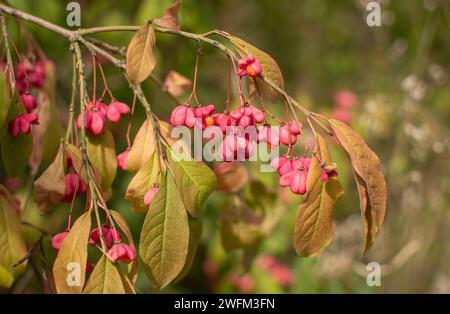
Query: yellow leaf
[
  {"x": 12, "y": 241},
  {"x": 105, "y": 279},
  {"x": 102, "y": 154},
  {"x": 69, "y": 270},
  {"x": 140, "y": 58},
  {"x": 143, "y": 147},
  {"x": 141, "y": 183},
  {"x": 78, "y": 165},
  {"x": 369, "y": 179},
  {"x": 50, "y": 187},
  {"x": 314, "y": 225}
]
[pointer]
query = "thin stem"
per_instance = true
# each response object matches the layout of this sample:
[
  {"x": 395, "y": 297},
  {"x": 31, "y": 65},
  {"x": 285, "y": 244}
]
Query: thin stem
[
  {"x": 72, "y": 98},
  {"x": 9, "y": 62}
]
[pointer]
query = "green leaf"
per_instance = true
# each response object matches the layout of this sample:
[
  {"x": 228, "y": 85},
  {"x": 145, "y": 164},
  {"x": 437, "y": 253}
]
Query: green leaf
[
  {"x": 165, "y": 235},
  {"x": 12, "y": 241},
  {"x": 73, "y": 250},
  {"x": 195, "y": 181},
  {"x": 102, "y": 154},
  {"x": 369, "y": 179},
  {"x": 15, "y": 153},
  {"x": 314, "y": 226},
  {"x": 141, "y": 183},
  {"x": 105, "y": 279},
  {"x": 140, "y": 58},
  {"x": 6, "y": 278}
]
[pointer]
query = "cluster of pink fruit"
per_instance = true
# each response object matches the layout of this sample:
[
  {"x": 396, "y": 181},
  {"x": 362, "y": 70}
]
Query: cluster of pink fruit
[
  {"x": 237, "y": 142},
  {"x": 97, "y": 112},
  {"x": 27, "y": 76},
  {"x": 294, "y": 172},
  {"x": 112, "y": 240}
]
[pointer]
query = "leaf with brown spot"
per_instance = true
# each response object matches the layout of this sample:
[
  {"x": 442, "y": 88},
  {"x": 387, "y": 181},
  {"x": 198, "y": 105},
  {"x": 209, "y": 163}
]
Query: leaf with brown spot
[
  {"x": 314, "y": 225},
  {"x": 231, "y": 176},
  {"x": 143, "y": 146},
  {"x": 73, "y": 250},
  {"x": 369, "y": 179},
  {"x": 50, "y": 187},
  {"x": 140, "y": 58},
  {"x": 170, "y": 17}
]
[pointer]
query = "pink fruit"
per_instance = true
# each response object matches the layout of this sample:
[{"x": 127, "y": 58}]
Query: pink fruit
[
  {"x": 122, "y": 252},
  {"x": 150, "y": 195},
  {"x": 183, "y": 116},
  {"x": 249, "y": 66},
  {"x": 58, "y": 239}
]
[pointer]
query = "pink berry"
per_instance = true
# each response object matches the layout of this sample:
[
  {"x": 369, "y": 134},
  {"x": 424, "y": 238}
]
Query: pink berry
[
  {"x": 58, "y": 239},
  {"x": 122, "y": 252},
  {"x": 150, "y": 195}
]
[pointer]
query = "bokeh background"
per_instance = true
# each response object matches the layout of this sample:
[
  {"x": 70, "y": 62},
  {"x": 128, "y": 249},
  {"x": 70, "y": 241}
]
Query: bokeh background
[{"x": 399, "y": 73}]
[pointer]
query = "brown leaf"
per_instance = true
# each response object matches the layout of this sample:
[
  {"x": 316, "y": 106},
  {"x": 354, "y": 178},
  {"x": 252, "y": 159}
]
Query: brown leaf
[
  {"x": 170, "y": 17},
  {"x": 176, "y": 84},
  {"x": 49, "y": 188},
  {"x": 143, "y": 147},
  {"x": 140, "y": 58},
  {"x": 72, "y": 257},
  {"x": 369, "y": 178},
  {"x": 314, "y": 226},
  {"x": 231, "y": 176},
  {"x": 270, "y": 68}
]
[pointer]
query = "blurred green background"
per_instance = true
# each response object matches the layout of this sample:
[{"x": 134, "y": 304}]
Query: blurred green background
[{"x": 399, "y": 73}]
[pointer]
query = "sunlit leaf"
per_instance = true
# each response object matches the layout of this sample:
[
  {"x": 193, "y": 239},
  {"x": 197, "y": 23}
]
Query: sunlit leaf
[
  {"x": 141, "y": 183},
  {"x": 140, "y": 58},
  {"x": 195, "y": 182},
  {"x": 369, "y": 178},
  {"x": 49, "y": 188},
  {"x": 6, "y": 278},
  {"x": 314, "y": 226},
  {"x": 165, "y": 235},
  {"x": 143, "y": 146},
  {"x": 72, "y": 257},
  {"x": 102, "y": 154},
  {"x": 105, "y": 279}
]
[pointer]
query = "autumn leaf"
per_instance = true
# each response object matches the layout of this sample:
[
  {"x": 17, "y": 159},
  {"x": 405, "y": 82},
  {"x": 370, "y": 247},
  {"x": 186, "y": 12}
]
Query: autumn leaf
[
  {"x": 102, "y": 154},
  {"x": 50, "y": 187},
  {"x": 105, "y": 279},
  {"x": 6, "y": 278},
  {"x": 176, "y": 84},
  {"x": 270, "y": 68},
  {"x": 369, "y": 179},
  {"x": 195, "y": 182},
  {"x": 314, "y": 225},
  {"x": 195, "y": 233},
  {"x": 143, "y": 147},
  {"x": 78, "y": 165},
  {"x": 170, "y": 17},
  {"x": 165, "y": 235},
  {"x": 72, "y": 257},
  {"x": 140, "y": 58},
  {"x": 231, "y": 176},
  {"x": 12, "y": 241},
  {"x": 141, "y": 183}
]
